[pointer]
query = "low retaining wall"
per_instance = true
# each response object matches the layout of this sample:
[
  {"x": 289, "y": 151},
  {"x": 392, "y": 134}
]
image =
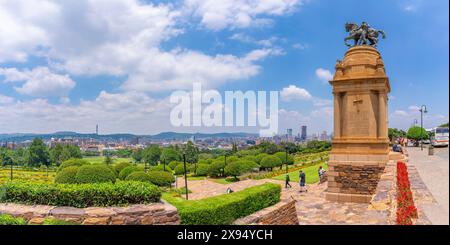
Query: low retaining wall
[
  {"x": 282, "y": 213},
  {"x": 151, "y": 214}
]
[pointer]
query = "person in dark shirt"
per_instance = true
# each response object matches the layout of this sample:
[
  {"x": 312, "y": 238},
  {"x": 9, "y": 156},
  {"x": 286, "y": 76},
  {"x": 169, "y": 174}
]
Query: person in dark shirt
[
  {"x": 302, "y": 179},
  {"x": 288, "y": 178}
]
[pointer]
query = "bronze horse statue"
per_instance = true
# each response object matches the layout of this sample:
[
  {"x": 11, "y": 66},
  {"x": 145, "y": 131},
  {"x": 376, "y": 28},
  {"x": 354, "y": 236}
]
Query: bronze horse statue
[{"x": 362, "y": 35}]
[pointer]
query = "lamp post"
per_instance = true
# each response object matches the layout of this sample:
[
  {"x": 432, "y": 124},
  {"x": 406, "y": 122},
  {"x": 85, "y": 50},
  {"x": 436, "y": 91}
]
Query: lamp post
[
  {"x": 185, "y": 176},
  {"x": 11, "y": 175},
  {"x": 164, "y": 161},
  {"x": 287, "y": 170},
  {"x": 423, "y": 109}
]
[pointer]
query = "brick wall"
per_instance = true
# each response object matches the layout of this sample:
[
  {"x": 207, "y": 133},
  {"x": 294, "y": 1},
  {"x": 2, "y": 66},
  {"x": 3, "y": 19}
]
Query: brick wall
[{"x": 283, "y": 213}]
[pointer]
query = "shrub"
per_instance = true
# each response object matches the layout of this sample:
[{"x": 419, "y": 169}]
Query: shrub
[
  {"x": 161, "y": 178},
  {"x": 250, "y": 158},
  {"x": 240, "y": 167},
  {"x": 67, "y": 175},
  {"x": 81, "y": 195},
  {"x": 121, "y": 165},
  {"x": 232, "y": 159},
  {"x": 95, "y": 174},
  {"x": 270, "y": 162},
  {"x": 205, "y": 161},
  {"x": 6, "y": 219},
  {"x": 202, "y": 169},
  {"x": 53, "y": 221},
  {"x": 179, "y": 170},
  {"x": 260, "y": 156},
  {"x": 224, "y": 209},
  {"x": 73, "y": 162},
  {"x": 160, "y": 168},
  {"x": 282, "y": 157},
  {"x": 127, "y": 171},
  {"x": 138, "y": 176},
  {"x": 174, "y": 164},
  {"x": 216, "y": 168}
]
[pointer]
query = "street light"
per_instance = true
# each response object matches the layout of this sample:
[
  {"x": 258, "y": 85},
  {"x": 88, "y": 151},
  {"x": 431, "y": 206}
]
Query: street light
[
  {"x": 185, "y": 176},
  {"x": 423, "y": 109}
]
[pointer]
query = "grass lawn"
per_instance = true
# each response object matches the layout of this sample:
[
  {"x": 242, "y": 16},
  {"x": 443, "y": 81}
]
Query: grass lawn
[
  {"x": 311, "y": 173},
  {"x": 101, "y": 159}
]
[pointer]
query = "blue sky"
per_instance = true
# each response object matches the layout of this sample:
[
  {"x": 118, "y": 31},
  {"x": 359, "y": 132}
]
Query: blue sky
[{"x": 72, "y": 65}]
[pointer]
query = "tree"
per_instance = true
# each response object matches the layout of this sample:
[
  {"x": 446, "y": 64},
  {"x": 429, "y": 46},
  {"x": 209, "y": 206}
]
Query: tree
[
  {"x": 38, "y": 153},
  {"x": 108, "y": 160},
  {"x": 6, "y": 156},
  {"x": 170, "y": 154},
  {"x": 191, "y": 152},
  {"x": 394, "y": 132},
  {"x": 417, "y": 133},
  {"x": 60, "y": 153},
  {"x": 270, "y": 162},
  {"x": 445, "y": 125},
  {"x": 137, "y": 155},
  {"x": 151, "y": 155}
]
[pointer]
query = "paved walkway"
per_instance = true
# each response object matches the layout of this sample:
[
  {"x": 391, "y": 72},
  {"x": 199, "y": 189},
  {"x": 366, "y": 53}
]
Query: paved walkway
[{"x": 434, "y": 172}]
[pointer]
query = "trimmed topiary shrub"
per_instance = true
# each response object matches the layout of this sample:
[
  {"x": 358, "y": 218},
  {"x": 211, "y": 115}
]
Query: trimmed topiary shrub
[
  {"x": 161, "y": 178},
  {"x": 260, "y": 156},
  {"x": 240, "y": 167},
  {"x": 282, "y": 157},
  {"x": 179, "y": 170},
  {"x": 202, "y": 169},
  {"x": 270, "y": 162},
  {"x": 216, "y": 168},
  {"x": 67, "y": 175},
  {"x": 95, "y": 174},
  {"x": 250, "y": 158},
  {"x": 205, "y": 161},
  {"x": 127, "y": 171},
  {"x": 139, "y": 176},
  {"x": 225, "y": 209},
  {"x": 121, "y": 165},
  {"x": 160, "y": 168},
  {"x": 174, "y": 164},
  {"x": 6, "y": 219},
  {"x": 81, "y": 195},
  {"x": 73, "y": 162}
]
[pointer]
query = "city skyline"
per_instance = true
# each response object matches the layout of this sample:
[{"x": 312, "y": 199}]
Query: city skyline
[{"x": 61, "y": 69}]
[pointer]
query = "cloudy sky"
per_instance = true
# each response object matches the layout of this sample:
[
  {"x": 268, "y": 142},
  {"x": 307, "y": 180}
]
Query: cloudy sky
[{"x": 69, "y": 65}]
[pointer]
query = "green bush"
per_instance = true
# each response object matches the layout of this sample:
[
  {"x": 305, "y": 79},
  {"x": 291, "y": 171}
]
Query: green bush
[
  {"x": 97, "y": 173},
  {"x": 121, "y": 165},
  {"x": 6, "y": 219},
  {"x": 67, "y": 175},
  {"x": 179, "y": 170},
  {"x": 282, "y": 157},
  {"x": 205, "y": 161},
  {"x": 138, "y": 176},
  {"x": 225, "y": 209},
  {"x": 127, "y": 171},
  {"x": 73, "y": 162},
  {"x": 53, "y": 221},
  {"x": 270, "y": 162},
  {"x": 260, "y": 156},
  {"x": 202, "y": 169},
  {"x": 216, "y": 168},
  {"x": 80, "y": 195},
  {"x": 174, "y": 164},
  {"x": 161, "y": 178},
  {"x": 160, "y": 168},
  {"x": 240, "y": 167},
  {"x": 250, "y": 158}
]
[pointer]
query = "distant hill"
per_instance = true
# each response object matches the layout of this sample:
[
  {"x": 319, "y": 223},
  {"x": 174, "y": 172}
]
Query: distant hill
[{"x": 21, "y": 137}]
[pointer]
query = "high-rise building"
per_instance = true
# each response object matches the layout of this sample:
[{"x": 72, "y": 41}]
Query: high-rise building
[
  {"x": 289, "y": 136},
  {"x": 303, "y": 135}
]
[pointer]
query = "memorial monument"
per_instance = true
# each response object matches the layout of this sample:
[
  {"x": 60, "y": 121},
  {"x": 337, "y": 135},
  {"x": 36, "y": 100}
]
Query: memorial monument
[{"x": 360, "y": 144}]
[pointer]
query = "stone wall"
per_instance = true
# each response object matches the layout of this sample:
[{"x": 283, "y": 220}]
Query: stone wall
[
  {"x": 151, "y": 214},
  {"x": 282, "y": 213},
  {"x": 357, "y": 179}
]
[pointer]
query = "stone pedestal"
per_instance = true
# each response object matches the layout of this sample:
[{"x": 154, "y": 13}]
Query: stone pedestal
[{"x": 360, "y": 144}]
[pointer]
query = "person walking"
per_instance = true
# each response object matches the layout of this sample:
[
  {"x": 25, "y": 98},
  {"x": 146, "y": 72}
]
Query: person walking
[
  {"x": 288, "y": 179},
  {"x": 321, "y": 173},
  {"x": 302, "y": 179}
]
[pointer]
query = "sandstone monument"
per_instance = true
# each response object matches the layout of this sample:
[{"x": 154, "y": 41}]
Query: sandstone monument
[{"x": 360, "y": 144}]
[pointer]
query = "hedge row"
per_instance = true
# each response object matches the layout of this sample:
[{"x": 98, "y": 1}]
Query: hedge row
[
  {"x": 224, "y": 209},
  {"x": 80, "y": 195}
]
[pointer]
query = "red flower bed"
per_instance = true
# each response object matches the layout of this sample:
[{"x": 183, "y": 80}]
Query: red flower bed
[{"x": 406, "y": 210}]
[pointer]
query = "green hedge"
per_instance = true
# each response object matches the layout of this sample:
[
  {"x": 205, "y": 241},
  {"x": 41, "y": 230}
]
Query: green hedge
[
  {"x": 96, "y": 173},
  {"x": 6, "y": 219},
  {"x": 224, "y": 209},
  {"x": 80, "y": 195},
  {"x": 67, "y": 175},
  {"x": 139, "y": 176},
  {"x": 161, "y": 178},
  {"x": 128, "y": 170}
]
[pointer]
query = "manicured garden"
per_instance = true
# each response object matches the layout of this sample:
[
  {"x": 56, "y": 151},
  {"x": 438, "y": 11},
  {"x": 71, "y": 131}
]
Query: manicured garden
[{"x": 311, "y": 173}]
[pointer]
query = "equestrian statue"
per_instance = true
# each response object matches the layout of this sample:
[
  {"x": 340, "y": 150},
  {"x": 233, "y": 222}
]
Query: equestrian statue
[{"x": 362, "y": 35}]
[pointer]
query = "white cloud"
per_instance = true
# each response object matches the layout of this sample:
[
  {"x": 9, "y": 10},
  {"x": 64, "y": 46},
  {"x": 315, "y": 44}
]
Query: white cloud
[
  {"x": 293, "y": 92},
  {"x": 39, "y": 82},
  {"x": 218, "y": 15},
  {"x": 300, "y": 46},
  {"x": 414, "y": 108},
  {"x": 405, "y": 118},
  {"x": 324, "y": 75},
  {"x": 6, "y": 99},
  {"x": 410, "y": 8},
  {"x": 241, "y": 37}
]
